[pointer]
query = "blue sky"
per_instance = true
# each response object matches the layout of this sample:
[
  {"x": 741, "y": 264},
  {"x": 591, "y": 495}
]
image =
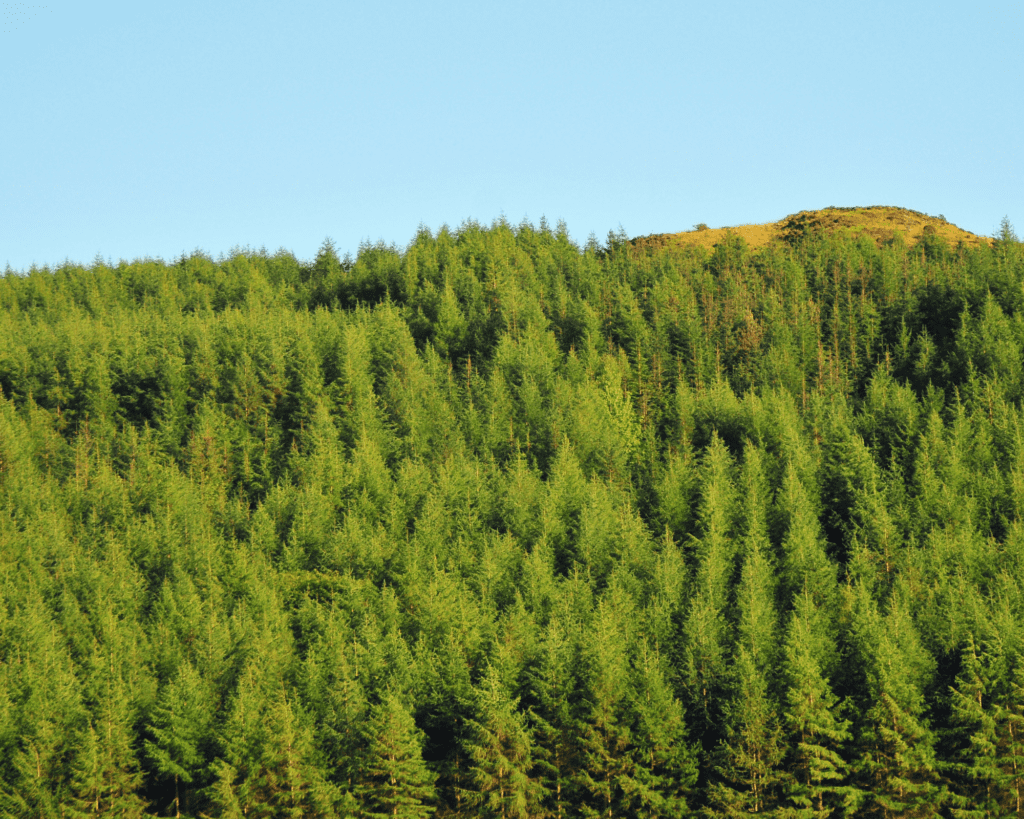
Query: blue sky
[{"x": 132, "y": 129}]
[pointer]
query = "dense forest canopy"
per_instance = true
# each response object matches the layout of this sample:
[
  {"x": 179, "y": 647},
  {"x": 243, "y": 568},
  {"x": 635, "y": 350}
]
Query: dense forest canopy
[{"x": 500, "y": 526}]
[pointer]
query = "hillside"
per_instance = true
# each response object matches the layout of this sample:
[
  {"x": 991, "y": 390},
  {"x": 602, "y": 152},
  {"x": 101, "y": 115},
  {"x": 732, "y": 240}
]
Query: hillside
[
  {"x": 880, "y": 223},
  {"x": 496, "y": 526}
]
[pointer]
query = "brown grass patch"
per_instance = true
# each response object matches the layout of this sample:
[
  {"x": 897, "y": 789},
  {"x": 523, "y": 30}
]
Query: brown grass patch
[{"x": 880, "y": 223}]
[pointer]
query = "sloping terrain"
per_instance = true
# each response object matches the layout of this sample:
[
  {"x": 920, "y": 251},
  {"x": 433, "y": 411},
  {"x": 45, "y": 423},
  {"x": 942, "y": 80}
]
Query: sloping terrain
[
  {"x": 497, "y": 525},
  {"x": 881, "y": 223}
]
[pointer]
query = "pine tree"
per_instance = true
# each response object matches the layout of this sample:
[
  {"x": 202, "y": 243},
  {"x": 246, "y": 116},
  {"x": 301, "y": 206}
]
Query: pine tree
[
  {"x": 749, "y": 756},
  {"x": 898, "y": 767},
  {"x": 607, "y": 765},
  {"x": 1009, "y": 716},
  {"x": 305, "y": 386},
  {"x": 335, "y": 698},
  {"x": 502, "y": 755},
  {"x": 239, "y": 783},
  {"x": 395, "y": 781},
  {"x": 49, "y": 715},
  {"x": 105, "y": 775},
  {"x": 666, "y": 765},
  {"x": 816, "y": 734},
  {"x": 805, "y": 568},
  {"x": 972, "y": 713},
  {"x": 295, "y": 786},
  {"x": 181, "y": 727},
  {"x": 268, "y": 765},
  {"x": 555, "y": 689},
  {"x": 704, "y": 665}
]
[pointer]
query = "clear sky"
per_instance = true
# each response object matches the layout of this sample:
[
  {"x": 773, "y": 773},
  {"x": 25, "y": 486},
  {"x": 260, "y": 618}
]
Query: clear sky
[{"x": 132, "y": 129}]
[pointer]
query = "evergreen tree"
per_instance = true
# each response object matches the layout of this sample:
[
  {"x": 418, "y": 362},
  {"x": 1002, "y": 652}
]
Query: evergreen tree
[
  {"x": 333, "y": 693},
  {"x": 816, "y": 734},
  {"x": 704, "y": 659},
  {"x": 557, "y": 714},
  {"x": 502, "y": 756},
  {"x": 805, "y": 567},
  {"x": 295, "y": 784},
  {"x": 972, "y": 712},
  {"x": 269, "y": 765},
  {"x": 749, "y": 756},
  {"x": 898, "y": 766},
  {"x": 105, "y": 774},
  {"x": 1009, "y": 751},
  {"x": 665, "y": 775},
  {"x": 395, "y": 780},
  {"x": 181, "y": 727},
  {"x": 606, "y": 773},
  {"x": 49, "y": 716}
]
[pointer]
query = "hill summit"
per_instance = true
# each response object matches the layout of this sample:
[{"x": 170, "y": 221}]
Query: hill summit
[{"x": 879, "y": 222}]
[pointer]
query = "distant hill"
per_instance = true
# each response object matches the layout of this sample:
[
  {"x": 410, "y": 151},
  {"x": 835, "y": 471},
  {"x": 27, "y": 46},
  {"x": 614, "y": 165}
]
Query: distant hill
[{"x": 879, "y": 222}]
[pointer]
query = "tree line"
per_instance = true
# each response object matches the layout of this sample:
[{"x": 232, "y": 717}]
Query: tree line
[{"x": 499, "y": 525}]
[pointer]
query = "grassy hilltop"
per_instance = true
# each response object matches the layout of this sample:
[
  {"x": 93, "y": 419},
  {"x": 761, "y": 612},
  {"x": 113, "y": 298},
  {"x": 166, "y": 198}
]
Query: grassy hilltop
[
  {"x": 494, "y": 525},
  {"x": 878, "y": 223}
]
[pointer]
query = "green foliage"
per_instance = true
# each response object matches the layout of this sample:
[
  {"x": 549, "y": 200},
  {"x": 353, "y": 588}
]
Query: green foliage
[
  {"x": 499, "y": 525},
  {"x": 181, "y": 727},
  {"x": 394, "y": 780},
  {"x": 502, "y": 757},
  {"x": 817, "y": 736}
]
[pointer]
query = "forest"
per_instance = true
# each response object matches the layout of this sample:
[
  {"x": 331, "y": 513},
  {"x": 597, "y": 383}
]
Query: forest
[{"x": 501, "y": 525}]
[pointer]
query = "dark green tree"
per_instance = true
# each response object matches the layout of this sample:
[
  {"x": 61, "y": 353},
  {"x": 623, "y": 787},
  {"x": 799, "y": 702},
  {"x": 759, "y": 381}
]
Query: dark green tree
[
  {"x": 705, "y": 629},
  {"x": 665, "y": 777}
]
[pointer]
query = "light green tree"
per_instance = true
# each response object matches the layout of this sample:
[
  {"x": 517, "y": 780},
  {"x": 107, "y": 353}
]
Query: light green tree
[{"x": 395, "y": 780}]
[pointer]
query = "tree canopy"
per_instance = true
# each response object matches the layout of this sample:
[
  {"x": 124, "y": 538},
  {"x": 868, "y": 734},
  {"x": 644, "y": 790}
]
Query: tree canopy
[{"x": 498, "y": 525}]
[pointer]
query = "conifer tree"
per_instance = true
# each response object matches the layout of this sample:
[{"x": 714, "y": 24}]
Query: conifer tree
[
  {"x": 805, "y": 567},
  {"x": 8, "y": 729},
  {"x": 606, "y": 776},
  {"x": 816, "y": 733},
  {"x": 704, "y": 660},
  {"x": 666, "y": 765},
  {"x": 898, "y": 767},
  {"x": 181, "y": 726},
  {"x": 333, "y": 693},
  {"x": 749, "y": 756},
  {"x": 557, "y": 714},
  {"x": 100, "y": 404},
  {"x": 105, "y": 774},
  {"x": 1009, "y": 752},
  {"x": 448, "y": 703},
  {"x": 501, "y": 750},
  {"x": 972, "y": 708},
  {"x": 395, "y": 781},
  {"x": 268, "y": 766},
  {"x": 49, "y": 716},
  {"x": 237, "y": 790},
  {"x": 305, "y": 385},
  {"x": 295, "y": 785}
]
